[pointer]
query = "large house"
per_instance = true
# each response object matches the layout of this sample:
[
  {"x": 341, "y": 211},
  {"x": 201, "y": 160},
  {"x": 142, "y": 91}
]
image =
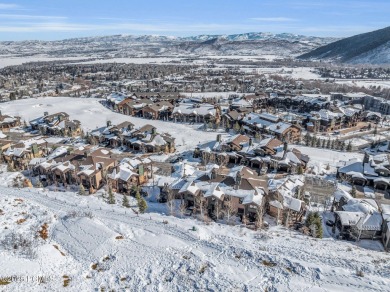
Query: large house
[
  {"x": 57, "y": 124},
  {"x": 265, "y": 123},
  {"x": 7, "y": 122},
  {"x": 373, "y": 171},
  {"x": 356, "y": 218},
  {"x": 197, "y": 113},
  {"x": 88, "y": 169},
  {"x": 224, "y": 193}
]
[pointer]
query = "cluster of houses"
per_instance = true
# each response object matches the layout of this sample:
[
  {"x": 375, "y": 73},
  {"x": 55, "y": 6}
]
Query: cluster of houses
[
  {"x": 44, "y": 151},
  {"x": 332, "y": 112},
  {"x": 281, "y": 115},
  {"x": 57, "y": 124},
  {"x": 373, "y": 171},
  {"x": 7, "y": 122},
  {"x": 158, "y": 106},
  {"x": 261, "y": 155},
  {"x": 92, "y": 168},
  {"x": 145, "y": 139},
  {"x": 222, "y": 192},
  {"x": 356, "y": 219}
]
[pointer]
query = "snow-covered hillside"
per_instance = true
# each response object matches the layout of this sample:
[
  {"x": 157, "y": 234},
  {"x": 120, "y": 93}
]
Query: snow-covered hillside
[
  {"x": 380, "y": 55},
  {"x": 91, "y": 246},
  {"x": 283, "y": 45}
]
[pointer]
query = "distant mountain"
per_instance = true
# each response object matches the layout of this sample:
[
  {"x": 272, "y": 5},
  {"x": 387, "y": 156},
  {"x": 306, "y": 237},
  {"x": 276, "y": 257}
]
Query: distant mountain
[
  {"x": 255, "y": 44},
  {"x": 372, "y": 48}
]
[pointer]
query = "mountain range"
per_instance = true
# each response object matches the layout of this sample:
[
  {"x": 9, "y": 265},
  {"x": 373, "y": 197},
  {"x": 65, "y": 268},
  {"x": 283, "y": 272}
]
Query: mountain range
[
  {"x": 254, "y": 44},
  {"x": 367, "y": 48}
]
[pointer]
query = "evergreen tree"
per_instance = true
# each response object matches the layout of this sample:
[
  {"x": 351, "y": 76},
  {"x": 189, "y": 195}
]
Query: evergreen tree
[
  {"x": 142, "y": 205},
  {"x": 10, "y": 167},
  {"x": 257, "y": 137},
  {"x": 38, "y": 184},
  {"x": 375, "y": 130},
  {"x": 125, "y": 202},
  {"x": 323, "y": 143},
  {"x": 236, "y": 127},
  {"x": 353, "y": 191},
  {"x": 81, "y": 190},
  {"x": 318, "y": 144},
  {"x": 313, "y": 141},
  {"x": 328, "y": 144},
  {"x": 342, "y": 146},
  {"x": 111, "y": 196},
  {"x": 349, "y": 146},
  {"x": 307, "y": 139},
  {"x": 332, "y": 145},
  {"x": 300, "y": 169},
  {"x": 313, "y": 221},
  {"x": 137, "y": 195}
]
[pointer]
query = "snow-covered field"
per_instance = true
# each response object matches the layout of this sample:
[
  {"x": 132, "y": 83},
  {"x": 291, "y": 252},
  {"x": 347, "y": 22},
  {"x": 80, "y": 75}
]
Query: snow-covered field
[
  {"x": 320, "y": 158},
  {"x": 140, "y": 60},
  {"x": 12, "y": 61},
  {"x": 95, "y": 245},
  {"x": 365, "y": 83},
  {"x": 92, "y": 114}
]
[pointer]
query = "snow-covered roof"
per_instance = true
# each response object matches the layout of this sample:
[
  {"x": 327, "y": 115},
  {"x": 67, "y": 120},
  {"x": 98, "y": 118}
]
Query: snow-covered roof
[
  {"x": 352, "y": 166},
  {"x": 195, "y": 109},
  {"x": 339, "y": 193},
  {"x": 124, "y": 173},
  {"x": 292, "y": 203},
  {"x": 254, "y": 198}
]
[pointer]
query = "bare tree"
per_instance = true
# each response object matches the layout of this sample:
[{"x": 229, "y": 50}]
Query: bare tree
[
  {"x": 259, "y": 217},
  {"x": 228, "y": 208},
  {"x": 218, "y": 209},
  {"x": 170, "y": 202},
  {"x": 182, "y": 209}
]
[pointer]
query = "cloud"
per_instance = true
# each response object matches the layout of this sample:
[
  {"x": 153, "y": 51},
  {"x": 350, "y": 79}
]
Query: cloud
[
  {"x": 273, "y": 19},
  {"x": 63, "y": 26},
  {"x": 8, "y": 6},
  {"x": 29, "y": 17}
]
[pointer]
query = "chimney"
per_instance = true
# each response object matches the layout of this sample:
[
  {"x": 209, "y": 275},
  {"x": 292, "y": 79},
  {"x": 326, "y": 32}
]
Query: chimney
[
  {"x": 250, "y": 142},
  {"x": 108, "y": 123},
  {"x": 45, "y": 114},
  {"x": 219, "y": 138},
  {"x": 85, "y": 154}
]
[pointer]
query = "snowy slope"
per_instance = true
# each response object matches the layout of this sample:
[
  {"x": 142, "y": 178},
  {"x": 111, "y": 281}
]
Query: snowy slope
[
  {"x": 122, "y": 46},
  {"x": 380, "y": 55},
  {"x": 153, "y": 256},
  {"x": 371, "y": 47}
]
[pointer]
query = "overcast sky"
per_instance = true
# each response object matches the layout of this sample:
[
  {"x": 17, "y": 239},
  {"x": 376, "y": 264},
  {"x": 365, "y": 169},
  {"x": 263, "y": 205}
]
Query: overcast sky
[{"x": 58, "y": 19}]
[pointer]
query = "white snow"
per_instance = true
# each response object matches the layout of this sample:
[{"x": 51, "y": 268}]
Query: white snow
[{"x": 116, "y": 249}]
